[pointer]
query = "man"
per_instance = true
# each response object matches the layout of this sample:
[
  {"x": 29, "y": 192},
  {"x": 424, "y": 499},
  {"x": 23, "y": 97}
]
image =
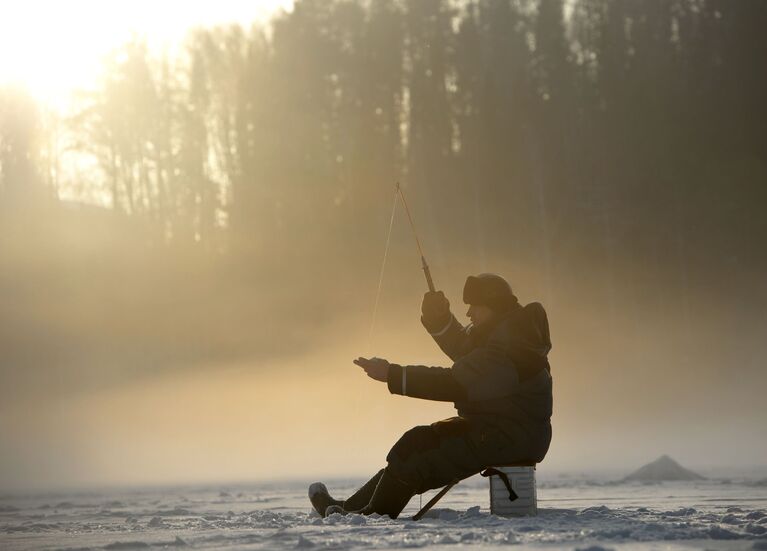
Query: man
[{"x": 500, "y": 383}]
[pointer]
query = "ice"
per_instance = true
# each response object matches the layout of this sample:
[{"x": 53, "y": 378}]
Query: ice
[
  {"x": 156, "y": 522},
  {"x": 127, "y": 545},
  {"x": 304, "y": 543},
  {"x": 573, "y": 514}
]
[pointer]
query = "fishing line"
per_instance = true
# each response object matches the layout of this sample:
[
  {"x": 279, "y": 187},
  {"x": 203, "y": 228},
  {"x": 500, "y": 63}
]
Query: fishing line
[
  {"x": 381, "y": 275},
  {"x": 424, "y": 265}
]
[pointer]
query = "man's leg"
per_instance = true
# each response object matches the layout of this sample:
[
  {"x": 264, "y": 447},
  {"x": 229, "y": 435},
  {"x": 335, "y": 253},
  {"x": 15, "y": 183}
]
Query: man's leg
[
  {"x": 321, "y": 498},
  {"x": 432, "y": 456},
  {"x": 425, "y": 457},
  {"x": 362, "y": 496},
  {"x": 390, "y": 496}
]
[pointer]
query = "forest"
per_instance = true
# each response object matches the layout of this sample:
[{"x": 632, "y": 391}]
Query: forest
[{"x": 223, "y": 201}]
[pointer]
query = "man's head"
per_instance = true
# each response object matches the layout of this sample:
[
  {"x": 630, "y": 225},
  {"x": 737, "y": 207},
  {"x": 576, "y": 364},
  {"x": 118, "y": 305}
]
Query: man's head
[{"x": 487, "y": 295}]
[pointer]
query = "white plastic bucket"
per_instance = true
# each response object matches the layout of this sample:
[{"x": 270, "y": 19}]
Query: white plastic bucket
[{"x": 522, "y": 481}]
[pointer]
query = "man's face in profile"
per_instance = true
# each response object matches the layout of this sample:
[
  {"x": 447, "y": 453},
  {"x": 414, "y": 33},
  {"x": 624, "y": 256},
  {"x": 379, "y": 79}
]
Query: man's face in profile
[{"x": 479, "y": 314}]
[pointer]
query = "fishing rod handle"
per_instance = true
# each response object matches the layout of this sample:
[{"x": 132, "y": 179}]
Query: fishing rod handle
[{"x": 427, "y": 273}]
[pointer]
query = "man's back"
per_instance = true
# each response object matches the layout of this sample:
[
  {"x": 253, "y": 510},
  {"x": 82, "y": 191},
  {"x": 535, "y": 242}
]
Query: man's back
[{"x": 506, "y": 374}]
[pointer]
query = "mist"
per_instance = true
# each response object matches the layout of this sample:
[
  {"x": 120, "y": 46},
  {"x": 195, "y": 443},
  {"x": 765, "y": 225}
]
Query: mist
[{"x": 189, "y": 257}]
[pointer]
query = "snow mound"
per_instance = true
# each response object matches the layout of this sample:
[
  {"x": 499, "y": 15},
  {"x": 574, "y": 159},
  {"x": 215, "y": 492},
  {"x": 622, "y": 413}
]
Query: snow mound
[{"x": 663, "y": 468}]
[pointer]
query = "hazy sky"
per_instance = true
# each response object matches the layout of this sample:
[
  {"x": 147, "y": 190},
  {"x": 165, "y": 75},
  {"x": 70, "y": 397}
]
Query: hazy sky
[{"x": 52, "y": 47}]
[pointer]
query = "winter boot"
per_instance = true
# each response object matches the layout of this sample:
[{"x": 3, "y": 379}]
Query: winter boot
[
  {"x": 320, "y": 498},
  {"x": 333, "y": 509}
]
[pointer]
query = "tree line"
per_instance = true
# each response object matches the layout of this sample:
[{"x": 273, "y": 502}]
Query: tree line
[{"x": 555, "y": 133}]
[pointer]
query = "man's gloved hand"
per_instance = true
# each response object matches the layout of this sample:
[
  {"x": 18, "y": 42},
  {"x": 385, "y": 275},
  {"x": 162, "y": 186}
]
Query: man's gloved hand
[
  {"x": 436, "y": 310},
  {"x": 375, "y": 368}
]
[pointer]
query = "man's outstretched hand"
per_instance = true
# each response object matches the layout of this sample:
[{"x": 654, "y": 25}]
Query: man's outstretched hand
[{"x": 376, "y": 368}]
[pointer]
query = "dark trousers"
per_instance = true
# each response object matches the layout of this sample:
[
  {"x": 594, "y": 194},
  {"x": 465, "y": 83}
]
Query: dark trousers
[{"x": 431, "y": 456}]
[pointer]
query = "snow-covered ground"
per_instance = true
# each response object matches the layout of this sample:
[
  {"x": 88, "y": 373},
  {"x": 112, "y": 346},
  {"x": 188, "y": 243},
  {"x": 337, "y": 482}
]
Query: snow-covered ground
[{"x": 575, "y": 513}]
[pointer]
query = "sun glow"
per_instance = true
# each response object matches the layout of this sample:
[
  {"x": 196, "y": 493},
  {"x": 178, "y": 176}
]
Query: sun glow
[{"x": 51, "y": 48}]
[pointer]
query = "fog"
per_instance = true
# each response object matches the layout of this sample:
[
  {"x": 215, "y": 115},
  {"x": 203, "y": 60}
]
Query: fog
[{"x": 189, "y": 259}]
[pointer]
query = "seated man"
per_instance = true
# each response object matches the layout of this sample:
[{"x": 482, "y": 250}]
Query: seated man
[{"x": 500, "y": 383}]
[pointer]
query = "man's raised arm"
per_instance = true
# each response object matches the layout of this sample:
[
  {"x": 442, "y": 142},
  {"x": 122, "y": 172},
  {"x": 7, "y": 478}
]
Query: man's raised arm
[{"x": 442, "y": 325}]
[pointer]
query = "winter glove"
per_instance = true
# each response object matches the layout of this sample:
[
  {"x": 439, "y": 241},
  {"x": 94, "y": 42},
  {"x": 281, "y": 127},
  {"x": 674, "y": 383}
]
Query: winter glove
[
  {"x": 375, "y": 368},
  {"x": 435, "y": 310}
]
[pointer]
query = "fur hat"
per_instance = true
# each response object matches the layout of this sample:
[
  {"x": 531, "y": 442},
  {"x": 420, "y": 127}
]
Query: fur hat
[{"x": 489, "y": 290}]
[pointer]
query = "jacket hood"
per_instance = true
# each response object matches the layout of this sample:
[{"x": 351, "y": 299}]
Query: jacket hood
[{"x": 530, "y": 329}]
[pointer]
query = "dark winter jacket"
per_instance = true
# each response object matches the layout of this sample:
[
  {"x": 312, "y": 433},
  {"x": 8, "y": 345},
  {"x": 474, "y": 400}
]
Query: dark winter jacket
[{"x": 500, "y": 377}]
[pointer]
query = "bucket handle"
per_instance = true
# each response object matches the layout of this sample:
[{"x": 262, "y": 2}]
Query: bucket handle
[{"x": 504, "y": 478}]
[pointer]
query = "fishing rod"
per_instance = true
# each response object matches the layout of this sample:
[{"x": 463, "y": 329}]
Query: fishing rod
[{"x": 424, "y": 265}]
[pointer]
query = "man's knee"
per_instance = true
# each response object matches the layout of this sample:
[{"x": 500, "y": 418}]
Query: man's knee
[
  {"x": 425, "y": 459},
  {"x": 416, "y": 440}
]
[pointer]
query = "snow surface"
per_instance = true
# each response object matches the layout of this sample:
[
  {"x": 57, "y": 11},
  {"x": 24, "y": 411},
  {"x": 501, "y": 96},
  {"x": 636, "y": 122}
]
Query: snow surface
[{"x": 575, "y": 513}]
